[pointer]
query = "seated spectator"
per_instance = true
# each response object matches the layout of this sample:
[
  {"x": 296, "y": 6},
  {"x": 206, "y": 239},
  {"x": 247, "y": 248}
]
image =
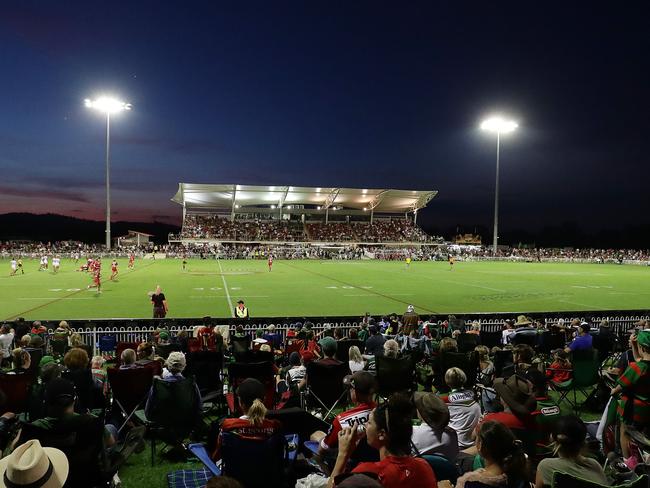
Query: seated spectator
[
  {"x": 504, "y": 459},
  {"x": 76, "y": 341},
  {"x": 569, "y": 434},
  {"x": 6, "y": 341},
  {"x": 375, "y": 342},
  {"x": 76, "y": 360},
  {"x": 583, "y": 340},
  {"x": 560, "y": 369},
  {"x": 364, "y": 333},
  {"x": 38, "y": 329},
  {"x": 128, "y": 359},
  {"x": 36, "y": 401},
  {"x": 508, "y": 332},
  {"x": 99, "y": 374},
  {"x": 389, "y": 431},
  {"x": 356, "y": 362},
  {"x": 486, "y": 367},
  {"x": 522, "y": 359},
  {"x": 32, "y": 465},
  {"x": 338, "y": 333},
  {"x": 296, "y": 372},
  {"x": 464, "y": 410},
  {"x": 328, "y": 347},
  {"x": 62, "y": 332},
  {"x": 21, "y": 360},
  {"x": 362, "y": 389},
  {"x": 25, "y": 340},
  {"x": 310, "y": 343},
  {"x": 253, "y": 425},
  {"x": 475, "y": 328},
  {"x": 145, "y": 354},
  {"x": 174, "y": 366},
  {"x": 517, "y": 397},
  {"x": 433, "y": 435},
  {"x": 391, "y": 349}
]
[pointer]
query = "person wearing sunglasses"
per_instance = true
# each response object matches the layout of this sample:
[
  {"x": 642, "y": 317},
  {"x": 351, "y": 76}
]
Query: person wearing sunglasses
[{"x": 389, "y": 430}]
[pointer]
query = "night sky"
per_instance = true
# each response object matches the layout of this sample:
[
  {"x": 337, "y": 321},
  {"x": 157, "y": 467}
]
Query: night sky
[{"x": 351, "y": 93}]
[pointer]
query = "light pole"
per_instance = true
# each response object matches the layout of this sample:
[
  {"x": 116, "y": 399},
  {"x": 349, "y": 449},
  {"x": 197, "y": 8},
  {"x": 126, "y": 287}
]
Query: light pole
[
  {"x": 500, "y": 126},
  {"x": 108, "y": 106}
]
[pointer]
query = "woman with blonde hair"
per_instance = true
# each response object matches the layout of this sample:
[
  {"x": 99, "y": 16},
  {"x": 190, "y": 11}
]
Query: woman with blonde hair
[
  {"x": 356, "y": 362},
  {"x": 486, "y": 376},
  {"x": 253, "y": 424},
  {"x": 391, "y": 348}
]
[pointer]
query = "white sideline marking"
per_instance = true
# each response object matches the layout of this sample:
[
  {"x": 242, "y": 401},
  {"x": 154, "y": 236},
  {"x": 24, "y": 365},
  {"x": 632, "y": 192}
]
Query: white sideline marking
[{"x": 225, "y": 287}]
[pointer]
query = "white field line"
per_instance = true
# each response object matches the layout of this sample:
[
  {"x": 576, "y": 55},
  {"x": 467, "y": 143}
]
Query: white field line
[{"x": 225, "y": 287}]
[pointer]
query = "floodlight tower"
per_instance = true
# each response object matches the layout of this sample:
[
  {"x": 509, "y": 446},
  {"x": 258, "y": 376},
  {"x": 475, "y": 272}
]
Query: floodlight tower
[
  {"x": 108, "y": 106},
  {"x": 498, "y": 125}
]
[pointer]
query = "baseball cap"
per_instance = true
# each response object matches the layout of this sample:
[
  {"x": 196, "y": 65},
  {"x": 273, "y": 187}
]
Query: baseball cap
[{"x": 176, "y": 361}]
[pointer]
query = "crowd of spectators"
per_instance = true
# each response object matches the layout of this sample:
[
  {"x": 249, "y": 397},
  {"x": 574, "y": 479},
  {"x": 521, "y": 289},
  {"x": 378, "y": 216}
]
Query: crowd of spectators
[
  {"x": 552, "y": 254},
  {"x": 479, "y": 403}
]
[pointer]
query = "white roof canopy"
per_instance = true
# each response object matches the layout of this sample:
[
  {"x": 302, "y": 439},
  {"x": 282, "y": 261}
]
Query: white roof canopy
[{"x": 196, "y": 197}]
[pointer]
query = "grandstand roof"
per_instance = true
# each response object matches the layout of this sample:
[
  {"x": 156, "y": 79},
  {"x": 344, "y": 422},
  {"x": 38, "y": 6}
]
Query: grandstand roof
[{"x": 229, "y": 196}]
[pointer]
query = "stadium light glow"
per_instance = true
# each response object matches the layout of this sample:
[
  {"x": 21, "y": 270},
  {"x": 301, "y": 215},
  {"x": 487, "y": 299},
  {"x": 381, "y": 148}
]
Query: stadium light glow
[
  {"x": 108, "y": 106},
  {"x": 365, "y": 209},
  {"x": 318, "y": 208},
  {"x": 498, "y": 125}
]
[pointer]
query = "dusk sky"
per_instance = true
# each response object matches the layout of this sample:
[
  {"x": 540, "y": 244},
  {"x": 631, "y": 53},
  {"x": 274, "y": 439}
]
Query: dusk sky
[{"x": 351, "y": 93}]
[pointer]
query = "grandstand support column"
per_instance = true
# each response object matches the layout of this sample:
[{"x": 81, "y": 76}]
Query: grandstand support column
[
  {"x": 495, "y": 238},
  {"x": 415, "y": 216},
  {"x": 327, "y": 215},
  {"x": 108, "y": 181},
  {"x": 372, "y": 214}
]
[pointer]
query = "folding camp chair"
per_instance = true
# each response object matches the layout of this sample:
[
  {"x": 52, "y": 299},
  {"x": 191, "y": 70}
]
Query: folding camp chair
[
  {"x": 130, "y": 388},
  {"x": 325, "y": 386},
  {"x": 172, "y": 413},
  {"x": 564, "y": 480},
  {"x": 395, "y": 374},
  {"x": 205, "y": 367},
  {"x": 238, "y": 372},
  {"x": 36, "y": 354},
  {"x": 59, "y": 346},
  {"x": 239, "y": 345},
  {"x": 163, "y": 350},
  {"x": 586, "y": 373},
  {"x": 16, "y": 388},
  {"x": 502, "y": 360},
  {"x": 467, "y": 342},
  {"x": 468, "y": 362},
  {"x": 442, "y": 467},
  {"x": 107, "y": 344},
  {"x": 121, "y": 346},
  {"x": 490, "y": 339}
]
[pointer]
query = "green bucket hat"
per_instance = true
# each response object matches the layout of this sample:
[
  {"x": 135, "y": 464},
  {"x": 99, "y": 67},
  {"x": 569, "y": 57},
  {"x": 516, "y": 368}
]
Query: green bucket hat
[{"x": 643, "y": 338}]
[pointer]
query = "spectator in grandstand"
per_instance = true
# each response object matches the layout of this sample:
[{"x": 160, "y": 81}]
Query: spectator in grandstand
[
  {"x": 36, "y": 401},
  {"x": 25, "y": 340},
  {"x": 582, "y": 341},
  {"x": 524, "y": 331},
  {"x": 253, "y": 424},
  {"x": 356, "y": 361},
  {"x": 353, "y": 333},
  {"x": 310, "y": 343},
  {"x": 362, "y": 388},
  {"x": 433, "y": 435},
  {"x": 21, "y": 327},
  {"x": 569, "y": 434},
  {"x": 522, "y": 357},
  {"x": 389, "y": 430},
  {"x": 159, "y": 301},
  {"x": 21, "y": 361},
  {"x": 364, "y": 333},
  {"x": 76, "y": 341},
  {"x": 32, "y": 465},
  {"x": 475, "y": 328},
  {"x": 375, "y": 342},
  {"x": 464, "y": 411},
  {"x": 504, "y": 458},
  {"x": 7, "y": 335},
  {"x": 174, "y": 366},
  {"x": 296, "y": 373},
  {"x": 128, "y": 359},
  {"x": 241, "y": 311},
  {"x": 77, "y": 362},
  {"x": 410, "y": 320}
]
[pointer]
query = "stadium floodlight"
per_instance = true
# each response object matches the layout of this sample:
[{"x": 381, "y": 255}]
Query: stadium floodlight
[
  {"x": 108, "y": 105},
  {"x": 498, "y": 125}
]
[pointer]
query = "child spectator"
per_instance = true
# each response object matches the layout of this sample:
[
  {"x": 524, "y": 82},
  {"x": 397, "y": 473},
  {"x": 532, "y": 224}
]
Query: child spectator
[
  {"x": 559, "y": 371},
  {"x": 464, "y": 411}
]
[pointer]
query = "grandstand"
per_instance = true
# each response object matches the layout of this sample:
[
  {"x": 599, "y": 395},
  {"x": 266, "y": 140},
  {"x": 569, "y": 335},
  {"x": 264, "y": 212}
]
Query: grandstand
[{"x": 226, "y": 213}]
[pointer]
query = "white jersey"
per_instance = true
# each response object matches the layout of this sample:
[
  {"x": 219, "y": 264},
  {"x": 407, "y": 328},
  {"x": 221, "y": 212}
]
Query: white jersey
[
  {"x": 45, "y": 258},
  {"x": 42, "y": 259},
  {"x": 56, "y": 262},
  {"x": 13, "y": 264}
]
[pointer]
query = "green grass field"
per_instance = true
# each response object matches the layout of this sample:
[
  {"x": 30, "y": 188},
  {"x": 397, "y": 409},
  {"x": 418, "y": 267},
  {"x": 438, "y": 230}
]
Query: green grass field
[{"x": 305, "y": 288}]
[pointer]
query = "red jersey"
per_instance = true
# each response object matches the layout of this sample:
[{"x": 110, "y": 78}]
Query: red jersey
[
  {"x": 270, "y": 261},
  {"x": 359, "y": 415},
  {"x": 114, "y": 267},
  {"x": 96, "y": 278},
  {"x": 131, "y": 258},
  {"x": 242, "y": 427},
  {"x": 400, "y": 472},
  {"x": 510, "y": 420}
]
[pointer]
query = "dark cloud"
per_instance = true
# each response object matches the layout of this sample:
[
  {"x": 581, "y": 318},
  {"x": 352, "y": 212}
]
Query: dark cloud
[{"x": 47, "y": 193}]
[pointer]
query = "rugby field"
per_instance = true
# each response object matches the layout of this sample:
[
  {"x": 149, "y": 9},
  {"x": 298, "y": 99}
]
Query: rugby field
[{"x": 306, "y": 288}]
